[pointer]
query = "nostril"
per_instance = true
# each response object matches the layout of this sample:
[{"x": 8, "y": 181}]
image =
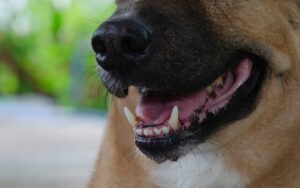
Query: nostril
[
  {"x": 134, "y": 45},
  {"x": 100, "y": 57},
  {"x": 99, "y": 46}
]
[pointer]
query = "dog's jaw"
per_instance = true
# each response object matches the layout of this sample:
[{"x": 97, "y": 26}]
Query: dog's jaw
[
  {"x": 164, "y": 122},
  {"x": 203, "y": 167}
]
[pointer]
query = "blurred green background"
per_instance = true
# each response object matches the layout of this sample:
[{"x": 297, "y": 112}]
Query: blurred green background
[
  {"x": 45, "y": 49},
  {"x": 52, "y": 104}
]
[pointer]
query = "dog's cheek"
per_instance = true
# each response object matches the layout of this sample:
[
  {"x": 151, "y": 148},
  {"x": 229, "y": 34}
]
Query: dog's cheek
[{"x": 263, "y": 30}]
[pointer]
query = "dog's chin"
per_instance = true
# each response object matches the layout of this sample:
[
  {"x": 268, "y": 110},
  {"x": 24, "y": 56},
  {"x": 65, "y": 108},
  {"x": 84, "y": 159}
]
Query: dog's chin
[{"x": 168, "y": 126}]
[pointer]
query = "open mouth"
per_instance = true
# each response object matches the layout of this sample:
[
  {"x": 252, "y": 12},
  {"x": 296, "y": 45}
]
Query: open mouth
[{"x": 163, "y": 122}]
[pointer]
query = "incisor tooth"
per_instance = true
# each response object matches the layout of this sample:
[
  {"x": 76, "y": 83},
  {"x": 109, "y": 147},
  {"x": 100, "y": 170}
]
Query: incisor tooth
[
  {"x": 173, "y": 121},
  {"x": 157, "y": 131},
  {"x": 148, "y": 132},
  {"x": 130, "y": 117},
  {"x": 166, "y": 130},
  {"x": 139, "y": 132}
]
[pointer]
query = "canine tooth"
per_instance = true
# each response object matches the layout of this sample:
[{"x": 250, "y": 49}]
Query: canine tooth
[
  {"x": 166, "y": 130},
  {"x": 173, "y": 121},
  {"x": 157, "y": 131},
  {"x": 148, "y": 132},
  {"x": 130, "y": 117}
]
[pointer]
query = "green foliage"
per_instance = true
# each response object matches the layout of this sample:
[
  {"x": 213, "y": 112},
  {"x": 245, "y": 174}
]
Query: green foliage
[
  {"x": 45, "y": 48},
  {"x": 8, "y": 81}
]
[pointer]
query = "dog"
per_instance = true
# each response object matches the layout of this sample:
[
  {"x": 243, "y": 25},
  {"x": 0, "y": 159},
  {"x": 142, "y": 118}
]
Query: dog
[{"x": 205, "y": 94}]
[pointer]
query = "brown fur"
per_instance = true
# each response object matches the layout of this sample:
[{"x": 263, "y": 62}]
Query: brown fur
[
  {"x": 264, "y": 146},
  {"x": 119, "y": 164}
]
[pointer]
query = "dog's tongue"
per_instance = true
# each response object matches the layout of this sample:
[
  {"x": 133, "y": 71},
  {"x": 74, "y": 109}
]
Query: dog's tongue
[{"x": 156, "y": 107}]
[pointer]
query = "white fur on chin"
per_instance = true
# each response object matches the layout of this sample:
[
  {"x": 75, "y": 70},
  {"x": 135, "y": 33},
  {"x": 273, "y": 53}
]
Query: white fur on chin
[{"x": 201, "y": 168}]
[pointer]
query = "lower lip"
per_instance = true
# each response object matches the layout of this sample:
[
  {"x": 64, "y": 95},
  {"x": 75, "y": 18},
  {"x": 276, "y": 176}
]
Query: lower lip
[{"x": 157, "y": 143}]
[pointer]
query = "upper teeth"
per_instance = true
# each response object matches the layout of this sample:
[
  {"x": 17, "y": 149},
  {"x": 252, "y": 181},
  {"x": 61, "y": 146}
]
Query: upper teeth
[
  {"x": 173, "y": 121},
  {"x": 217, "y": 82},
  {"x": 209, "y": 89},
  {"x": 130, "y": 117}
]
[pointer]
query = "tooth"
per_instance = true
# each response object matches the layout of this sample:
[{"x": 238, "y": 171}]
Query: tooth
[
  {"x": 157, "y": 131},
  {"x": 148, "y": 132},
  {"x": 139, "y": 132},
  {"x": 209, "y": 89},
  {"x": 173, "y": 121},
  {"x": 166, "y": 130},
  {"x": 219, "y": 81},
  {"x": 130, "y": 117}
]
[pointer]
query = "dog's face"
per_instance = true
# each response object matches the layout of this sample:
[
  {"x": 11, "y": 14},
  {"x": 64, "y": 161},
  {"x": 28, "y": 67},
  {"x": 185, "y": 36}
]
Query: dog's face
[{"x": 200, "y": 66}]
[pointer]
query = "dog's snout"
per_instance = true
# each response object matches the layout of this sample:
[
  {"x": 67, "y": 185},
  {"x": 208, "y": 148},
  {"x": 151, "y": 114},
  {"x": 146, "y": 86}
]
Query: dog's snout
[{"x": 121, "y": 44}]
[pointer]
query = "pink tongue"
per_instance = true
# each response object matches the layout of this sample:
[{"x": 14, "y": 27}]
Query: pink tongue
[{"x": 156, "y": 108}]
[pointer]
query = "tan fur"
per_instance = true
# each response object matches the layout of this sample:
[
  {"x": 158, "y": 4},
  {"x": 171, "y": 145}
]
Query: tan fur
[
  {"x": 265, "y": 146},
  {"x": 119, "y": 164}
]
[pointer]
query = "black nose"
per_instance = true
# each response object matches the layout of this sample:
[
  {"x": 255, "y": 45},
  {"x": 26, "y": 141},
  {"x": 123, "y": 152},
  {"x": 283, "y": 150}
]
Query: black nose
[{"x": 121, "y": 44}]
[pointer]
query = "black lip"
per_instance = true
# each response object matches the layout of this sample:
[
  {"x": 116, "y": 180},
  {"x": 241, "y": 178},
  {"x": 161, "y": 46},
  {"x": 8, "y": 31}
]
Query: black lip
[
  {"x": 242, "y": 104},
  {"x": 157, "y": 144}
]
